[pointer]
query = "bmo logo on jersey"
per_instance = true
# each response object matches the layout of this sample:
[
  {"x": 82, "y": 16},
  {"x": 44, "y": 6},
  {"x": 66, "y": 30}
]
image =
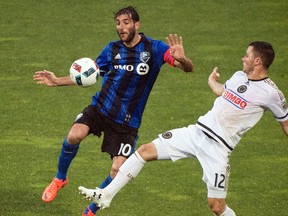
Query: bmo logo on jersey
[
  {"x": 124, "y": 67},
  {"x": 142, "y": 68},
  {"x": 235, "y": 99}
]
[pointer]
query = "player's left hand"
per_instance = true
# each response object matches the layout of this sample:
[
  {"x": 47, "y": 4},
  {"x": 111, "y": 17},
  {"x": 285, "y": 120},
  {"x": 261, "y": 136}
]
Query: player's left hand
[{"x": 176, "y": 47}]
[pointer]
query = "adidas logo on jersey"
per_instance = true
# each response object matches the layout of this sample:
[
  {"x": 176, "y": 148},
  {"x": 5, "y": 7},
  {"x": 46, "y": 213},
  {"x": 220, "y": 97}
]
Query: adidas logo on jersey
[{"x": 117, "y": 56}]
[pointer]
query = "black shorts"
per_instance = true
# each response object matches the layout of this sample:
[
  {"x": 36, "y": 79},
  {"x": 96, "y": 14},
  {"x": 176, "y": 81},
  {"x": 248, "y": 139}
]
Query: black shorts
[{"x": 119, "y": 139}]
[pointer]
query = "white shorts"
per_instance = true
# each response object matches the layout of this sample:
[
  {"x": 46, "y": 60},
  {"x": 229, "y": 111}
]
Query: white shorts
[{"x": 191, "y": 142}]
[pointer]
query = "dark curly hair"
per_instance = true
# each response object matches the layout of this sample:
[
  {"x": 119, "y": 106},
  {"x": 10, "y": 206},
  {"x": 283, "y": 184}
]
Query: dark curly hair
[{"x": 131, "y": 11}]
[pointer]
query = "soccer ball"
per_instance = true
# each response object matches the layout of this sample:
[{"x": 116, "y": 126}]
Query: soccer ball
[{"x": 84, "y": 72}]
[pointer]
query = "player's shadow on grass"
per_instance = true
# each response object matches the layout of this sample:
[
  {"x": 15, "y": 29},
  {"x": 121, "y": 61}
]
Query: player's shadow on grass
[{"x": 22, "y": 201}]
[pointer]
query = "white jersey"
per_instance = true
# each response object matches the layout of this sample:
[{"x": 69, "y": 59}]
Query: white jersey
[{"x": 240, "y": 107}]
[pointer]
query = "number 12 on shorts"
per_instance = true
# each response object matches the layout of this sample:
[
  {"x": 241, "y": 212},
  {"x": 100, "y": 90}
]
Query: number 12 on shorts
[{"x": 219, "y": 180}]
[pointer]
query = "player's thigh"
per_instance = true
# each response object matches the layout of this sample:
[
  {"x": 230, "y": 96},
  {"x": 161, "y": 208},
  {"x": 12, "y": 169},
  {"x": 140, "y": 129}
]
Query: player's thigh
[
  {"x": 77, "y": 133},
  {"x": 214, "y": 159},
  {"x": 119, "y": 141},
  {"x": 176, "y": 144}
]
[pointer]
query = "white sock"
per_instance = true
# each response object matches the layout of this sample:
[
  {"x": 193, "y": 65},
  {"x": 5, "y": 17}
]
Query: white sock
[{"x": 129, "y": 170}]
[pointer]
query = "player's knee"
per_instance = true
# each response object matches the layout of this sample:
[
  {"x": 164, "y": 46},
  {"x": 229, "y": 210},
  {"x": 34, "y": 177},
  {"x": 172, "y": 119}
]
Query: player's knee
[
  {"x": 77, "y": 133},
  {"x": 73, "y": 139},
  {"x": 217, "y": 206},
  {"x": 143, "y": 149},
  {"x": 148, "y": 152}
]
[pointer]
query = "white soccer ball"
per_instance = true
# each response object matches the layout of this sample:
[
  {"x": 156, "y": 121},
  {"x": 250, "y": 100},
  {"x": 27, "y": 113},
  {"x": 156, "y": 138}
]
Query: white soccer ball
[{"x": 84, "y": 72}]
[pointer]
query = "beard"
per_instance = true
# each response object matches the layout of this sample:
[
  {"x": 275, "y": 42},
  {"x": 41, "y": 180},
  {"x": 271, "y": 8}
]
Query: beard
[
  {"x": 248, "y": 70},
  {"x": 130, "y": 36}
]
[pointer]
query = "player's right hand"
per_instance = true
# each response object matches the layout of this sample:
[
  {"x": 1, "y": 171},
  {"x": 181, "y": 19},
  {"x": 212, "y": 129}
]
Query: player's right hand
[
  {"x": 45, "y": 78},
  {"x": 214, "y": 75}
]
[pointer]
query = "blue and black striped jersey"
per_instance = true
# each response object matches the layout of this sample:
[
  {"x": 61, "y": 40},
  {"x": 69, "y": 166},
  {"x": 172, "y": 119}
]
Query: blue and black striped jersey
[{"x": 128, "y": 77}]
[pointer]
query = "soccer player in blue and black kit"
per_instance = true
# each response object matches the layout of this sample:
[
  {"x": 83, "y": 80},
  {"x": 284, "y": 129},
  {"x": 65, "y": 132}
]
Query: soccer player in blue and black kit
[{"x": 129, "y": 68}]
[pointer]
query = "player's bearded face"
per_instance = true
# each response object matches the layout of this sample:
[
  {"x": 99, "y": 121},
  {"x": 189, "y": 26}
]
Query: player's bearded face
[
  {"x": 126, "y": 28},
  {"x": 128, "y": 35}
]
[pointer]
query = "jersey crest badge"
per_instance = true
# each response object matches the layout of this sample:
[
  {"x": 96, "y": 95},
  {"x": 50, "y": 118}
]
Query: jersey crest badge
[
  {"x": 167, "y": 135},
  {"x": 144, "y": 56},
  {"x": 242, "y": 89}
]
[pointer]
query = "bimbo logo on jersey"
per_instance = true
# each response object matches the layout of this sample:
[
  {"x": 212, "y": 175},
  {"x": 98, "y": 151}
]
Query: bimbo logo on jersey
[{"x": 235, "y": 99}]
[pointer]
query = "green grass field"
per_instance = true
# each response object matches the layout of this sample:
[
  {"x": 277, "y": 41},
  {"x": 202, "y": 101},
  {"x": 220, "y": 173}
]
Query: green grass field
[{"x": 50, "y": 34}]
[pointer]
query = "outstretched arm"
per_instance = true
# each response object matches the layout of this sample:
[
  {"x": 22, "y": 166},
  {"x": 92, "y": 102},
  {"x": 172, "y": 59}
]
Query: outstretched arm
[
  {"x": 214, "y": 84},
  {"x": 177, "y": 52},
  {"x": 50, "y": 79}
]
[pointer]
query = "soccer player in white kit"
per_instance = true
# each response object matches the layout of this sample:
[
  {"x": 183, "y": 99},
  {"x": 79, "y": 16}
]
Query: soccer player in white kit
[{"x": 240, "y": 104}]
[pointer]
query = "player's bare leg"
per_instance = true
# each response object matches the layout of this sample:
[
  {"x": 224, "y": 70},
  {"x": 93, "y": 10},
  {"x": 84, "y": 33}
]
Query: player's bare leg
[{"x": 219, "y": 207}]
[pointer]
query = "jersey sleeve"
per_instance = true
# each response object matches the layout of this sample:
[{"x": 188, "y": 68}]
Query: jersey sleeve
[
  {"x": 278, "y": 105},
  {"x": 162, "y": 48},
  {"x": 103, "y": 60}
]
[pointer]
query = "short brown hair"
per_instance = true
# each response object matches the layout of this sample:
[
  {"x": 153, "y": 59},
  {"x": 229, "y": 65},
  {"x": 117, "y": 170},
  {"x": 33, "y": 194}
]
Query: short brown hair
[{"x": 265, "y": 51}]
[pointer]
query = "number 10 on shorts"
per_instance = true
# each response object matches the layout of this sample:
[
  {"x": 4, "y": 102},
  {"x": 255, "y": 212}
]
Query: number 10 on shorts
[{"x": 125, "y": 149}]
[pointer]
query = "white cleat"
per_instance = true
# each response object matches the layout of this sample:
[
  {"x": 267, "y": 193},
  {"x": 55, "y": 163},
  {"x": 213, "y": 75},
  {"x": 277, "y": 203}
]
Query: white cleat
[{"x": 96, "y": 196}]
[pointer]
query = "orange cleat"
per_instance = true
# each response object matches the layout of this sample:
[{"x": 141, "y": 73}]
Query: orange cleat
[
  {"x": 51, "y": 191},
  {"x": 88, "y": 212}
]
